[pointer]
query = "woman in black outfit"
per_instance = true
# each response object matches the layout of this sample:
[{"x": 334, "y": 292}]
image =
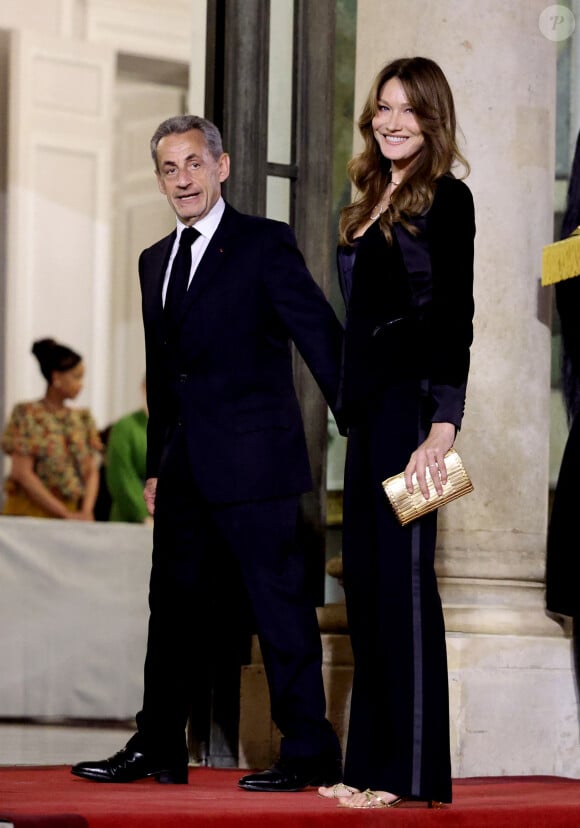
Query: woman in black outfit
[{"x": 406, "y": 265}]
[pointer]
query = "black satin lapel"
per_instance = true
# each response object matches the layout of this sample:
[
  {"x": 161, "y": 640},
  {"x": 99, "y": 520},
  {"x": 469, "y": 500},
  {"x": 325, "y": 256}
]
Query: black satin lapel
[{"x": 417, "y": 260}]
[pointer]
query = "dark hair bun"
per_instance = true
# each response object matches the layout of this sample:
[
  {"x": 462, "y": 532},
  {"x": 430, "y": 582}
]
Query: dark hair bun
[{"x": 52, "y": 356}]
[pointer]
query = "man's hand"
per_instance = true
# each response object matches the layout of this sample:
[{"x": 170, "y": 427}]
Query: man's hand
[{"x": 149, "y": 494}]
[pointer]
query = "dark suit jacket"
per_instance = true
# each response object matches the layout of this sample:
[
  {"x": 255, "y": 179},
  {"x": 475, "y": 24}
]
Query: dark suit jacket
[{"x": 226, "y": 373}]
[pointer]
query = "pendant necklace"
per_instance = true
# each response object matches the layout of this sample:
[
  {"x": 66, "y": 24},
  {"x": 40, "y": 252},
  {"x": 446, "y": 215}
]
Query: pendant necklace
[
  {"x": 378, "y": 211},
  {"x": 380, "y": 208}
]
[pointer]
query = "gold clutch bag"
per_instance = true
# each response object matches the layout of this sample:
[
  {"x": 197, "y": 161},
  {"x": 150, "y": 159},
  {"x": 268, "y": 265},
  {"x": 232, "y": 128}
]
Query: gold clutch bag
[{"x": 408, "y": 507}]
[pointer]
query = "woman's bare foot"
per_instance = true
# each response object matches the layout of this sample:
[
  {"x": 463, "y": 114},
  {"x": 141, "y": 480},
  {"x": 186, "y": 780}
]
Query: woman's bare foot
[{"x": 338, "y": 791}]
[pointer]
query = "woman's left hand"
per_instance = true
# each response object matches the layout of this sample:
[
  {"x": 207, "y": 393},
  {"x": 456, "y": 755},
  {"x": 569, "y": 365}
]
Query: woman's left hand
[{"x": 429, "y": 456}]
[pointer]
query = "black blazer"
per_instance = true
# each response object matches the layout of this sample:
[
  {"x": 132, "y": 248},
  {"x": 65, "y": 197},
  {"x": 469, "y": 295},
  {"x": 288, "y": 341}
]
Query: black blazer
[
  {"x": 226, "y": 373},
  {"x": 410, "y": 307}
]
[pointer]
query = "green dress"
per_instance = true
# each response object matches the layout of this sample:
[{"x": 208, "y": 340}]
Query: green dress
[{"x": 125, "y": 468}]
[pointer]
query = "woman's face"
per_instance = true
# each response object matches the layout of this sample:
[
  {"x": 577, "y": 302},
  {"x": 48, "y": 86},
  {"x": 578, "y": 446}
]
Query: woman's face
[
  {"x": 69, "y": 383},
  {"x": 396, "y": 129}
]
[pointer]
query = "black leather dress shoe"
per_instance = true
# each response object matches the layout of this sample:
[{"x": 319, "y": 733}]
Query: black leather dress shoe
[
  {"x": 128, "y": 765},
  {"x": 294, "y": 775}
]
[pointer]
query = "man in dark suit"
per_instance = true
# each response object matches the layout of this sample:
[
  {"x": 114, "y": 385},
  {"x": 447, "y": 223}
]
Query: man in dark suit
[{"x": 227, "y": 462}]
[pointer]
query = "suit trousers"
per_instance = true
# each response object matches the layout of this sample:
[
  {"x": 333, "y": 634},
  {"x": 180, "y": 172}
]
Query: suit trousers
[{"x": 202, "y": 555}]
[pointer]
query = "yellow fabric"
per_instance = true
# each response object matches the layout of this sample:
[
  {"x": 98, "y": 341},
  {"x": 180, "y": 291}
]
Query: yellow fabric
[
  {"x": 561, "y": 260},
  {"x": 18, "y": 503}
]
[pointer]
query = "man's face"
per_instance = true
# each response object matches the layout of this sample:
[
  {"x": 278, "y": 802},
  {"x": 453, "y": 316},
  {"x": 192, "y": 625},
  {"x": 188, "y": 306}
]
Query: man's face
[{"x": 189, "y": 176}]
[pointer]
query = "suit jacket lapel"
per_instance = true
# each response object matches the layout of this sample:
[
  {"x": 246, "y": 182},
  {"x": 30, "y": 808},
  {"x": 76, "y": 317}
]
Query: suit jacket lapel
[
  {"x": 221, "y": 244},
  {"x": 157, "y": 267}
]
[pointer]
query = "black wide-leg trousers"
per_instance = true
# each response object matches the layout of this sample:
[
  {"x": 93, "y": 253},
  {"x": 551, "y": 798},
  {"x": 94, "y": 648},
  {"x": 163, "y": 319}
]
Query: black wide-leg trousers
[{"x": 398, "y": 736}]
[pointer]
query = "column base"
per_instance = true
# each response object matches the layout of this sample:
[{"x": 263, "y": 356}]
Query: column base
[{"x": 513, "y": 703}]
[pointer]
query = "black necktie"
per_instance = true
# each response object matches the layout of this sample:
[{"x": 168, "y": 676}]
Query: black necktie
[{"x": 179, "y": 276}]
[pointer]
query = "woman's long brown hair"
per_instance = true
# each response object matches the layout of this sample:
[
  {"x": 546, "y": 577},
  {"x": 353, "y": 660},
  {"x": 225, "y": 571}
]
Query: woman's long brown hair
[{"x": 430, "y": 96}]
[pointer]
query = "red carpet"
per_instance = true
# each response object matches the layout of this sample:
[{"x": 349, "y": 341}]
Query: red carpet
[{"x": 51, "y": 797}]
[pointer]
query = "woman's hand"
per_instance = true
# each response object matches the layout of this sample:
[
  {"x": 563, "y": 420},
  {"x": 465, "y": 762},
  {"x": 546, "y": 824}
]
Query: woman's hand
[
  {"x": 22, "y": 472},
  {"x": 429, "y": 456},
  {"x": 83, "y": 514}
]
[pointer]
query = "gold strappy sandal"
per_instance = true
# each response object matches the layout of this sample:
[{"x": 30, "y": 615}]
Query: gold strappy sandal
[{"x": 372, "y": 799}]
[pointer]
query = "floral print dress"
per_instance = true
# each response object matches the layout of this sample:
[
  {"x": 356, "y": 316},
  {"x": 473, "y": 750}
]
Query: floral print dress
[{"x": 63, "y": 445}]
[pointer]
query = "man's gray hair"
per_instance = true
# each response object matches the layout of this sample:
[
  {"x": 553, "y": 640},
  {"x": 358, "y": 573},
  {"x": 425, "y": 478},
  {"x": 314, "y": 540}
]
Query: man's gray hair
[{"x": 179, "y": 124}]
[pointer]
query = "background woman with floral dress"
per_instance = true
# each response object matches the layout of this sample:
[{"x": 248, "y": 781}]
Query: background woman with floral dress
[{"x": 54, "y": 449}]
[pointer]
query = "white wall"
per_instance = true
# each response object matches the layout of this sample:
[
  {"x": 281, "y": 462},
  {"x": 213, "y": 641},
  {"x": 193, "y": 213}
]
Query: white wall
[{"x": 70, "y": 272}]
